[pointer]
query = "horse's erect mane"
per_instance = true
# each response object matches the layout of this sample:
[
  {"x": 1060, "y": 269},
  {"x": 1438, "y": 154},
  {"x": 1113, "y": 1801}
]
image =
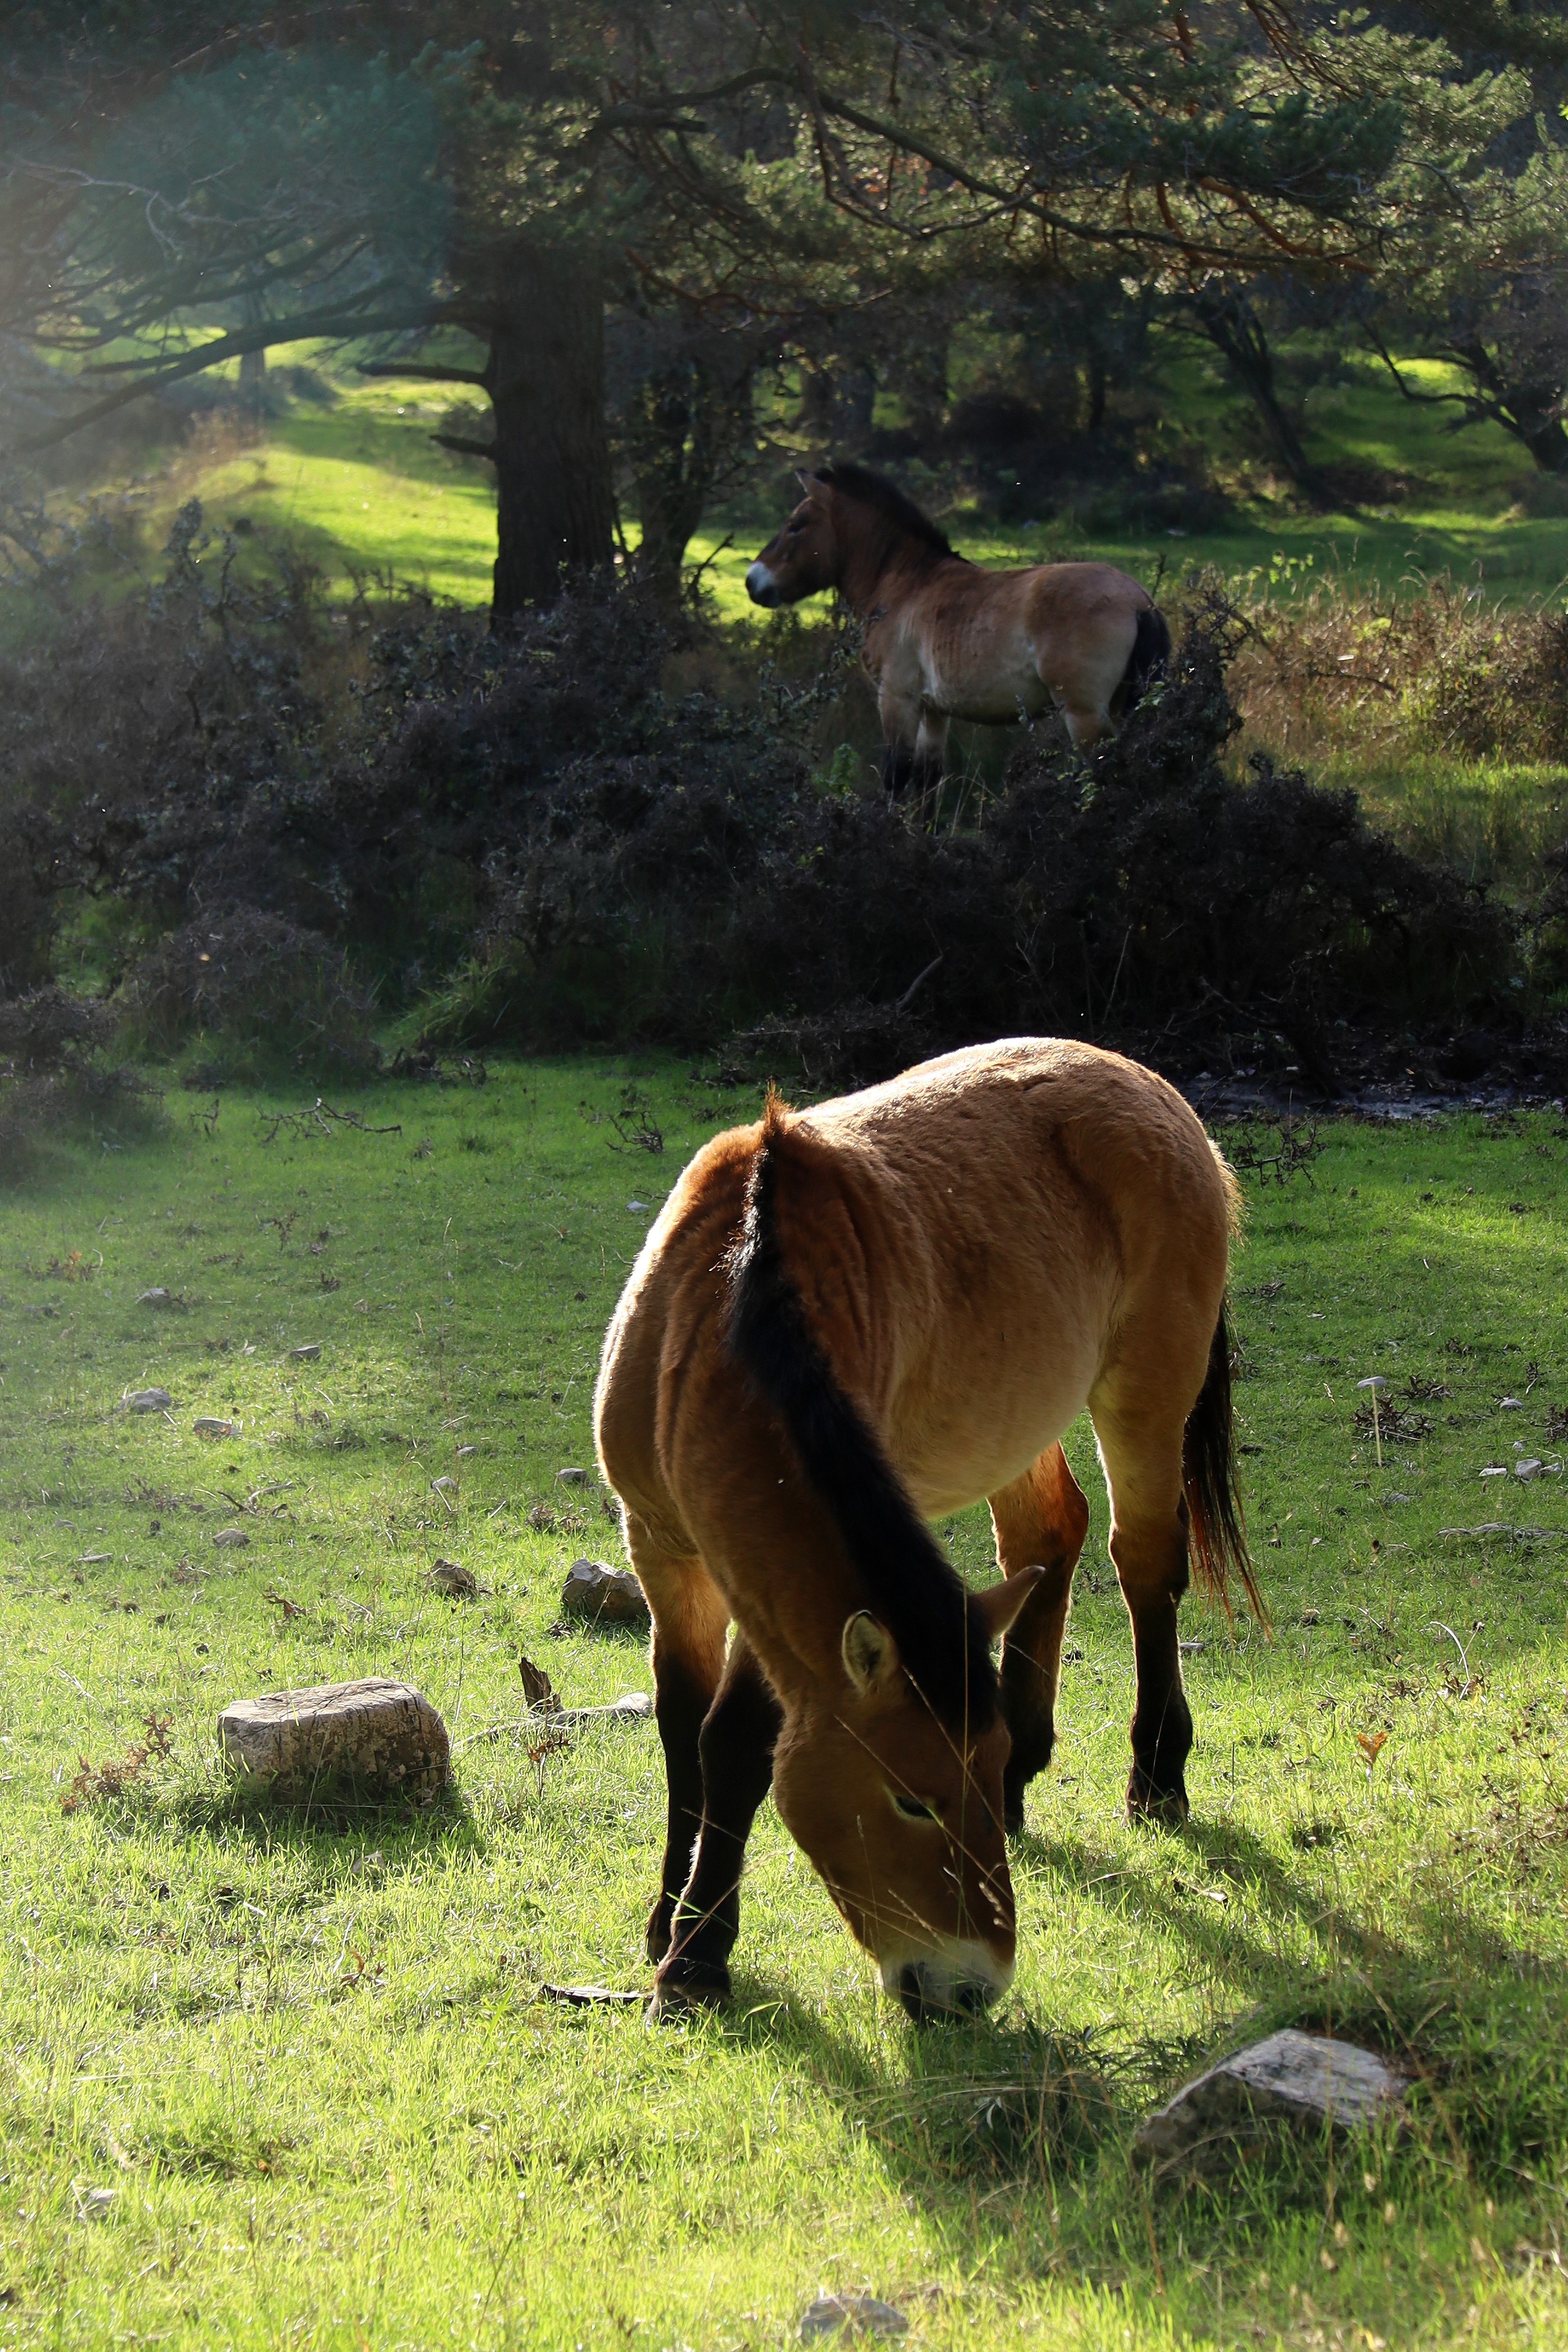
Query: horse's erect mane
[{"x": 867, "y": 490}]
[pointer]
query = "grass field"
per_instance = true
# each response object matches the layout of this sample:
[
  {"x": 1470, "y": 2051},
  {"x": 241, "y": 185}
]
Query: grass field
[
  {"x": 277, "y": 2080},
  {"x": 360, "y": 486}
]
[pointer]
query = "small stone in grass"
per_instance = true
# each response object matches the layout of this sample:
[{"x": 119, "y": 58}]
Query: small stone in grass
[
  {"x": 1308, "y": 2081},
  {"x": 307, "y": 1354},
  {"x": 92, "y": 2204},
  {"x": 232, "y": 1538},
  {"x": 156, "y": 1296},
  {"x": 208, "y": 1425},
  {"x": 638, "y": 1208},
  {"x": 571, "y": 1478},
  {"x": 147, "y": 1401},
  {"x": 853, "y": 2315},
  {"x": 449, "y": 1576},
  {"x": 604, "y": 1595},
  {"x": 1510, "y": 1404}
]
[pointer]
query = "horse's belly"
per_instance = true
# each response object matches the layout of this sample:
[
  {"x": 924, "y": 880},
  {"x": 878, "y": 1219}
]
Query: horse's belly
[
  {"x": 953, "y": 1449},
  {"x": 988, "y": 698}
]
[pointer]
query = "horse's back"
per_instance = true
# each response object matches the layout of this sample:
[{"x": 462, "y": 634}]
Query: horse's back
[{"x": 1017, "y": 1208}]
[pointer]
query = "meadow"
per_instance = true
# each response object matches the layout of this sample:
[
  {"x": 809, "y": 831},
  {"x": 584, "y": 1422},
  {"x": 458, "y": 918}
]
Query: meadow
[
  {"x": 361, "y": 489},
  {"x": 274, "y": 2077}
]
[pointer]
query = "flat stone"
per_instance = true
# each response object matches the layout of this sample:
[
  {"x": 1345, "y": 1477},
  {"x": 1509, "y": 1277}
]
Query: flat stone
[
  {"x": 632, "y": 1706},
  {"x": 231, "y": 1538},
  {"x": 208, "y": 1424},
  {"x": 1305, "y": 2082},
  {"x": 604, "y": 1595},
  {"x": 307, "y": 1354},
  {"x": 148, "y": 1401},
  {"x": 380, "y": 1737},
  {"x": 571, "y": 1478},
  {"x": 855, "y": 2315},
  {"x": 157, "y": 1296}
]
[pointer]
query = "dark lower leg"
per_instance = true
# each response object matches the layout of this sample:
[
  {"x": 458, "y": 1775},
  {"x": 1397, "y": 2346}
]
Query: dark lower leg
[
  {"x": 1162, "y": 1721},
  {"x": 737, "y": 1749},
  {"x": 897, "y": 769},
  {"x": 1041, "y": 1521},
  {"x": 682, "y": 1698}
]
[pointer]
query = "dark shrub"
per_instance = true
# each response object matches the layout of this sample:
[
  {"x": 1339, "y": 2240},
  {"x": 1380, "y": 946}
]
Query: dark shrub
[{"x": 258, "y": 982}]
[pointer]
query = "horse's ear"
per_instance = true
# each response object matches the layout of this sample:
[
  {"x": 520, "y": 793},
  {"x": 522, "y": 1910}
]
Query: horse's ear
[
  {"x": 815, "y": 488},
  {"x": 872, "y": 1657},
  {"x": 998, "y": 1606}
]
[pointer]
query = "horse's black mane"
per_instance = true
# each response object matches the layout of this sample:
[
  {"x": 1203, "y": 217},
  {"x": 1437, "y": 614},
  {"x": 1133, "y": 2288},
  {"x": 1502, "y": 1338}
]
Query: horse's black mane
[{"x": 874, "y": 491}]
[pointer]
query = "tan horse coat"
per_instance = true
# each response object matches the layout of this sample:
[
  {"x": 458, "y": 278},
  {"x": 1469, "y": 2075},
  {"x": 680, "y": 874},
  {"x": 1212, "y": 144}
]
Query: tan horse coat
[
  {"x": 946, "y": 639},
  {"x": 978, "y": 1250}
]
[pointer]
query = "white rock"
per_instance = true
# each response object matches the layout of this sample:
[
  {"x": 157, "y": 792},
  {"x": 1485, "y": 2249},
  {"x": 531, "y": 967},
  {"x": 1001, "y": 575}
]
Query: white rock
[
  {"x": 232, "y": 1538},
  {"x": 208, "y": 1425},
  {"x": 1526, "y": 1469},
  {"x": 571, "y": 1478},
  {"x": 379, "y": 1736},
  {"x": 157, "y": 1296},
  {"x": 147, "y": 1400},
  {"x": 1309, "y": 2082},
  {"x": 307, "y": 1354}
]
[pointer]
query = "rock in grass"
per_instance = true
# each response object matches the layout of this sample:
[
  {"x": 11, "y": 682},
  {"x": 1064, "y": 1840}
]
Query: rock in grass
[
  {"x": 157, "y": 1296},
  {"x": 147, "y": 1401},
  {"x": 307, "y": 1354},
  {"x": 231, "y": 1538},
  {"x": 1304, "y": 2082},
  {"x": 376, "y": 1739},
  {"x": 604, "y": 1595},
  {"x": 449, "y": 1576},
  {"x": 208, "y": 1425},
  {"x": 854, "y": 2314}
]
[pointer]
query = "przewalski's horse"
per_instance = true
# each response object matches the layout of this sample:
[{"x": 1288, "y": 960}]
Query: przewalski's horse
[
  {"x": 945, "y": 639},
  {"x": 848, "y": 1319}
]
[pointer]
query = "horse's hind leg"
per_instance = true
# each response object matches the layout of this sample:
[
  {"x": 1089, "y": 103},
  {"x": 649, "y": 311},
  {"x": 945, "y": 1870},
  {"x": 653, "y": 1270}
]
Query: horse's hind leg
[
  {"x": 1041, "y": 1520},
  {"x": 1139, "y": 1434},
  {"x": 737, "y": 1752},
  {"x": 689, "y": 1617}
]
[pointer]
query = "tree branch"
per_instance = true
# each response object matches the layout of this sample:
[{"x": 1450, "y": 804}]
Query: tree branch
[
  {"x": 334, "y": 323},
  {"x": 431, "y": 374},
  {"x": 464, "y": 447}
]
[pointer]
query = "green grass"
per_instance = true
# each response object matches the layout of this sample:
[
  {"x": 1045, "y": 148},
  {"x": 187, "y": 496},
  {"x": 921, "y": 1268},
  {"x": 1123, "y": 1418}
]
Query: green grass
[
  {"x": 305, "y": 2052},
  {"x": 361, "y": 487}
]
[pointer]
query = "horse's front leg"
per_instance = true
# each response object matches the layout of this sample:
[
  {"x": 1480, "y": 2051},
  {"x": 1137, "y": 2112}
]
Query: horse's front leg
[
  {"x": 1041, "y": 1520},
  {"x": 689, "y": 1617},
  {"x": 737, "y": 1752},
  {"x": 898, "y": 708}
]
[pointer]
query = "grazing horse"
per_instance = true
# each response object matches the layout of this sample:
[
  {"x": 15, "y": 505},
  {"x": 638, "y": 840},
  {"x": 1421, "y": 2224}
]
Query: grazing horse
[
  {"x": 843, "y": 1322},
  {"x": 946, "y": 640}
]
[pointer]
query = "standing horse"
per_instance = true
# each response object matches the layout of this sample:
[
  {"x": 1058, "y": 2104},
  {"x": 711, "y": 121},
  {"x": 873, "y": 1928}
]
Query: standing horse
[
  {"x": 946, "y": 640},
  {"x": 844, "y": 1322}
]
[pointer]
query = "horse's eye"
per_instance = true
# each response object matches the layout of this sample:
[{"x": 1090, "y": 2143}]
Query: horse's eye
[
  {"x": 791, "y": 530},
  {"x": 914, "y": 1809}
]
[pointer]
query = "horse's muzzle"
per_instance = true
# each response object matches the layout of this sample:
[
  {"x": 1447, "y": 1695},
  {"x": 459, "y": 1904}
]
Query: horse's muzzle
[
  {"x": 761, "y": 586},
  {"x": 931, "y": 1995}
]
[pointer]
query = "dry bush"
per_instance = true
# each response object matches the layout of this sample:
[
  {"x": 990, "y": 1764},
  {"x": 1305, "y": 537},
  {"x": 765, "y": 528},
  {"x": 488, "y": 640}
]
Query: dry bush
[
  {"x": 1442, "y": 669},
  {"x": 56, "y": 1072}
]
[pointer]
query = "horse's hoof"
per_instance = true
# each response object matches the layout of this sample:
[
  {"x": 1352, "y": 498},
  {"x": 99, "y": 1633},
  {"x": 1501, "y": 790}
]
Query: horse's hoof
[
  {"x": 1156, "y": 1808},
  {"x": 683, "y": 1986}
]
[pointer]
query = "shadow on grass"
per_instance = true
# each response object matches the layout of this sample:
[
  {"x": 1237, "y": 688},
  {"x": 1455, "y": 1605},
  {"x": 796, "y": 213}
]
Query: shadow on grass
[{"x": 1013, "y": 2137}]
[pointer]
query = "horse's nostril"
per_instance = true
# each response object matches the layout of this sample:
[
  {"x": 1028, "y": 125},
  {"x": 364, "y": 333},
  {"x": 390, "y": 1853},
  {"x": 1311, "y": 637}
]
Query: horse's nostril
[
  {"x": 971, "y": 1998},
  {"x": 912, "y": 1992}
]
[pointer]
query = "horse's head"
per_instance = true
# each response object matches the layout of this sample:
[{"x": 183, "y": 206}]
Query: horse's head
[
  {"x": 901, "y": 1814},
  {"x": 805, "y": 556}
]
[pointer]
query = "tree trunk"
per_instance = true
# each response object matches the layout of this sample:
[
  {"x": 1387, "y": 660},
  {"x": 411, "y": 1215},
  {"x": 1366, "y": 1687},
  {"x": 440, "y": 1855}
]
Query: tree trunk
[
  {"x": 545, "y": 377},
  {"x": 687, "y": 417},
  {"x": 1234, "y": 329},
  {"x": 1531, "y": 412}
]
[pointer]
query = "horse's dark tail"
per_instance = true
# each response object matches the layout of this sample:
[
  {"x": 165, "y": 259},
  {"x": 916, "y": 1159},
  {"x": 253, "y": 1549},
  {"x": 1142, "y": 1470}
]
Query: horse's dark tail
[
  {"x": 908, "y": 1583},
  {"x": 1219, "y": 1535},
  {"x": 1146, "y": 662}
]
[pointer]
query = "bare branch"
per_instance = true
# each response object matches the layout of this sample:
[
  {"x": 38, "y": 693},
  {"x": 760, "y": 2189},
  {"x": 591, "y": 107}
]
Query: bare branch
[
  {"x": 464, "y": 447},
  {"x": 430, "y": 375}
]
